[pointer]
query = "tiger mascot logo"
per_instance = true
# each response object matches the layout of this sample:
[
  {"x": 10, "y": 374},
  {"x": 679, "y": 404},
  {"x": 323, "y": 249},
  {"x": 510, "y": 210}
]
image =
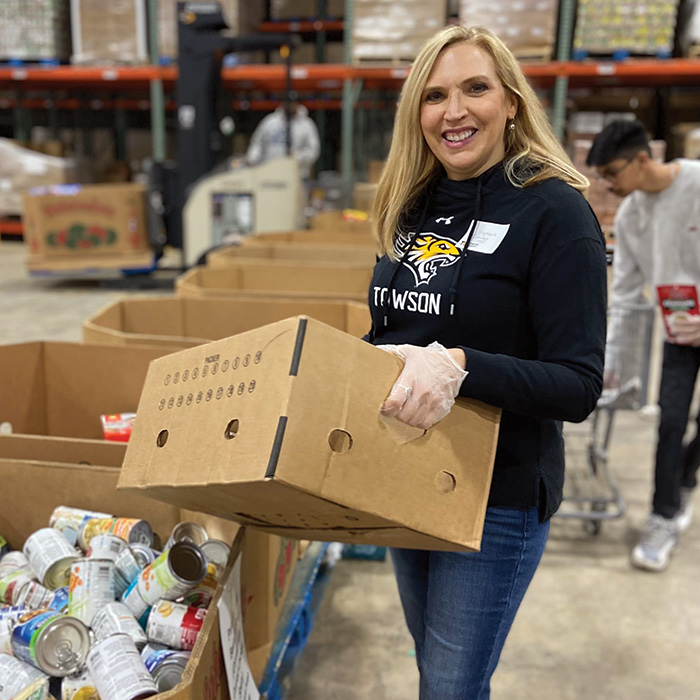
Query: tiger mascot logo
[{"x": 429, "y": 253}]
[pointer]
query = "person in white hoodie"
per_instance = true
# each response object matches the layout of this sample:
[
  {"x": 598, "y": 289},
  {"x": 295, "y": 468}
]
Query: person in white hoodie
[
  {"x": 657, "y": 243},
  {"x": 269, "y": 139}
]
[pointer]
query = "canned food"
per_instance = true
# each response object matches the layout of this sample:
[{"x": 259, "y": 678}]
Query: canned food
[
  {"x": 168, "y": 672},
  {"x": 34, "y": 595},
  {"x": 105, "y": 547},
  {"x": 201, "y": 595},
  {"x": 13, "y": 561},
  {"x": 130, "y": 530},
  {"x": 4, "y": 547},
  {"x": 79, "y": 686},
  {"x": 119, "y": 671},
  {"x": 69, "y": 520},
  {"x": 13, "y": 612},
  {"x": 216, "y": 552},
  {"x": 50, "y": 557},
  {"x": 187, "y": 531},
  {"x": 173, "y": 573},
  {"x": 91, "y": 587},
  {"x": 55, "y": 643},
  {"x": 61, "y": 598},
  {"x": 12, "y": 584},
  {"x": 175, "y": 625},
  {"x": 143, "y": 553},
  {"x": 116, "y": 618},
  {"x": 135, "y": 603},
  {"x": 126, "y": 570},
  {"x": 6, "y": 627},
  {"x": 21, "y": 681}
]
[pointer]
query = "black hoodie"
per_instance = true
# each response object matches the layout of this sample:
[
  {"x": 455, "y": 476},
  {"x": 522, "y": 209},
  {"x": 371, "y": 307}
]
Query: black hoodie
[{"x": 523, "y": 293}]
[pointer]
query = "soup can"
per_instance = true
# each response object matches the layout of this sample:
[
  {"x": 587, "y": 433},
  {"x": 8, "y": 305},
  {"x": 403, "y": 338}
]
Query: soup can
[
  {"x": 175, "y": 625},
  {"x": 173, "y": 573},
  {"x": 91, "y": 587},
  {"x": 130, "y": 530},
  {"x": 79, "y": 686},
  {"x": 50, "y": 556},
  {"x": 187, "y": 531},
  {"x": 105, "y": 547},
  {"x": 34, "y": 595},
  {"x": 116, "y": 618},
  {"x": 20, "y": 680}
]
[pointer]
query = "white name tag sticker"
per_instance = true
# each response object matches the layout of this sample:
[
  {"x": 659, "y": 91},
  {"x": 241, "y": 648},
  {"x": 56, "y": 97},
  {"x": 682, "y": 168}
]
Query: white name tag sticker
[{"x": 487, "y": 237}]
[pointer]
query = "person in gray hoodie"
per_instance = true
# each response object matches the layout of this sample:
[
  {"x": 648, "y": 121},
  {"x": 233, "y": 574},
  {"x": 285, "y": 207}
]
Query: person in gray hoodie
[{"x": 657, "y": 243}]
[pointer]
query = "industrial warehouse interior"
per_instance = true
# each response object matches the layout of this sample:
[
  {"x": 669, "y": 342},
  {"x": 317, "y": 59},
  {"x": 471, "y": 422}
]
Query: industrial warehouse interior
[{"x": 152, "y": 233}]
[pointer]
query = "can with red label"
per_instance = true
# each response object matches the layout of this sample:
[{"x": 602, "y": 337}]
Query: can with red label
[
  {"x": 105, "y": 547},
  {"x": 12, "y": 584},
  {"x": 119, "y": 671},
  {"x": 130, "y": 530},
  {"x": 175, "y": 625},
  {"x": 116, "y": 618},
  {"x": 50, "y": 556},
  {"x": 55, "y": 643},
  {"x": 20, "y": 680},
  {"x": 34, "y": 595},
  {"x": 173, "y": 573},
  {"x": 91, "y": 587}
]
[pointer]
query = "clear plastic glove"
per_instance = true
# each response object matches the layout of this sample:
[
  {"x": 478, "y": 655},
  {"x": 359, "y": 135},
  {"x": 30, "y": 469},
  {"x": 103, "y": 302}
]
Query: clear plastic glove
[
  {"x": 426, "y": 389},
  {"x": 686, "y": 330}
]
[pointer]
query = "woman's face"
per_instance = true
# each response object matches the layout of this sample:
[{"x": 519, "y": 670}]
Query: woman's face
[{"x": 465, "y": 111}]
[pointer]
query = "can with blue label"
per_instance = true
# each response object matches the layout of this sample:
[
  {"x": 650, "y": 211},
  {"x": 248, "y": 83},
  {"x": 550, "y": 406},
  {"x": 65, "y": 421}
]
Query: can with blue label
[{"x": 52, "y": 642}]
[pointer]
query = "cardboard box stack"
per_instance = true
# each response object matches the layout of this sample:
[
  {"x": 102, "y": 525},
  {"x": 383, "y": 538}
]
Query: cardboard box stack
[
  {"x": 633, "y": 26},
  {"x": 22, "y": 169},
  {"x": 176, "y": 324},
  {"x": 34, "y": 30},
  {"x": 79, "y": 227},
  {"x": 111, "y": 32},
  {"x": 54, "y": 455},
  {"x": 242, "y": 18},
  {"x": 394, "y": 30},
  {"x": 528, "y": 27},
  {"x": 290, "y": 440}
]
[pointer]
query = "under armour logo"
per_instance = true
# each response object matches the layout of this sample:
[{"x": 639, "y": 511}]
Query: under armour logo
[{"x": 446, "y": 219}]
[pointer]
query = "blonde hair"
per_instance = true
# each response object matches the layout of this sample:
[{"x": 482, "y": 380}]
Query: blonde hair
[{"x": 532, "y": 152}]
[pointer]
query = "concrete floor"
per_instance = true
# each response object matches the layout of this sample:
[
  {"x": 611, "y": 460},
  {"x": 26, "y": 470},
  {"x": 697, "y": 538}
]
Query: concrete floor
[{"x": 590, "y": 628}]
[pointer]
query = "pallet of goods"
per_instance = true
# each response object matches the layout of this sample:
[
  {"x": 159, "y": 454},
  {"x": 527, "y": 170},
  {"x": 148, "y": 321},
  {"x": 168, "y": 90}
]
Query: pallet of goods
[{"x": 528, "y": 27}]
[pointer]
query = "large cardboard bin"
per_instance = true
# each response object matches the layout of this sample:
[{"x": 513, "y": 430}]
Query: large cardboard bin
[
  {"x": 280, "y": 428},
  {"x": 53, "y": 394},
  {"x": 321, "y": 236},
  {"x": 256, "y": 279},
  {"x": 281, "y": 253},
  {"x": 81, "y": 226},
  {"x": 38, "y": 476},
  {"x": 179, "y": 323}
]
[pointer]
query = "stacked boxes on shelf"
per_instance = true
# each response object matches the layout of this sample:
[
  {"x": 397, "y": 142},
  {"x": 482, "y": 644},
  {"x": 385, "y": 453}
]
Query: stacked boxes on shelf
[
  {"x": 242, "y": 18},
  {"x": 528, "y": 27},
  {"x": 110, "y": 33},
  {"x": 394, "y": 30},
  {"x": 34, "y": 30},
  {"x": 639, "y": 27}
]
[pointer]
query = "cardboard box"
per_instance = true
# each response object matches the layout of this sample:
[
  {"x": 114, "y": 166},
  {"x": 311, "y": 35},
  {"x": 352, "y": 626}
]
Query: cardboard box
[
  {"x": 275, "y": 253},
  {"x": 289, "y": 438},
  {"x": 84, "y": 474},
  {"x": 98, "y": 223},
  {"x": 61, "y": 389},
  {"x": 254, "y": 279},
  {"x": 179, "y": 323},
  {"x": 325, "y": 233}
]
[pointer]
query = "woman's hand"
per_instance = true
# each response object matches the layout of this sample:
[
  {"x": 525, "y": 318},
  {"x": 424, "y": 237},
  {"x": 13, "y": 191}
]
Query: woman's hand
[{"x": 426, "y": 389}]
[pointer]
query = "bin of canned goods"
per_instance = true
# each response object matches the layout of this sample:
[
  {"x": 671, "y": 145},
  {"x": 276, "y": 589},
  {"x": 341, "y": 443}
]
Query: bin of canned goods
[{"x": 92, "y": 608}]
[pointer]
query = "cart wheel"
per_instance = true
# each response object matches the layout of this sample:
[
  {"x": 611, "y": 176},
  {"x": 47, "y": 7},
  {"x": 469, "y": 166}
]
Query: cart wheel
[{"x": 592, "y": 527}]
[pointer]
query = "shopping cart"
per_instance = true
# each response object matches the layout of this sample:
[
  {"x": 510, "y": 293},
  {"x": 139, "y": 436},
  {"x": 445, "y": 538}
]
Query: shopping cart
[{"x": 591, "y": 493}]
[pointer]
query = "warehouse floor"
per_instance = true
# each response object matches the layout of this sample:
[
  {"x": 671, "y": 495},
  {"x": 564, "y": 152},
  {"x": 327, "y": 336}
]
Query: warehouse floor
[{"x": 591, "y": 627}]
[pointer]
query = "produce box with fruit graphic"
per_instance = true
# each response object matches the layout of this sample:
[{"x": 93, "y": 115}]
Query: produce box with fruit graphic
[{"x": 91, "y": 223}]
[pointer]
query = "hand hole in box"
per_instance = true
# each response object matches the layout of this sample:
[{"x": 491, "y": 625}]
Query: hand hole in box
[
  {"x": 162, "y": 438},
  {"x": 340, "y": 441},
  {"x": 231, "y": 429},
  {"x": 445, "y": 482},
  {"x": 6, "y": 428}
]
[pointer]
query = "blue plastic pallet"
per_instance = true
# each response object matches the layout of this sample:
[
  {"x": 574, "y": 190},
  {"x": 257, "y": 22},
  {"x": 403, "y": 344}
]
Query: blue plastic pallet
[
  {"x": 302, "y": 602},
  {"x": 617, "y": 55}
]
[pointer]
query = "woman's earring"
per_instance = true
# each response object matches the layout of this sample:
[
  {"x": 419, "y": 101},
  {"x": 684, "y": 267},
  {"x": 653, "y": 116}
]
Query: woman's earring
[{"x": 512, "y": 126}]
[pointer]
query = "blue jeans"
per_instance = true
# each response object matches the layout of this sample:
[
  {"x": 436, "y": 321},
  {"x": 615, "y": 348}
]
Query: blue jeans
[{"x": 459, "y": 606}]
